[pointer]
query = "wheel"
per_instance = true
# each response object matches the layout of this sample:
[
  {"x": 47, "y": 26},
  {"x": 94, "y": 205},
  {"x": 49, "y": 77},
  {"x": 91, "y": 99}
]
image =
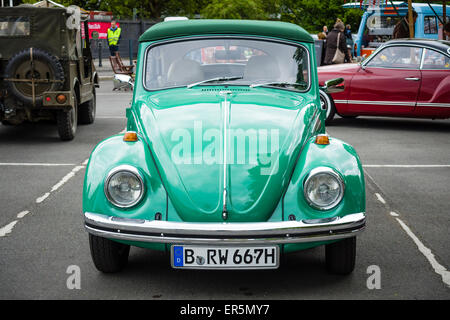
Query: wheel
[
  {"x": 67, "y": 122},
  {"x": 37, "y": 64},
  {"x": 108, "y": 256},
  {"x": 326, "y": 103},
  {"x": 340, "y": 256},
  {"x": 86, "y": 111}
]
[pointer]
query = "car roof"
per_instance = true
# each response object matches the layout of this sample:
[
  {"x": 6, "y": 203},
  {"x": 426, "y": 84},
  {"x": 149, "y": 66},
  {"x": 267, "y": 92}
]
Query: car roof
[
  {"x": 440, "y": 45},
  {"x": 195, "y": 27}
]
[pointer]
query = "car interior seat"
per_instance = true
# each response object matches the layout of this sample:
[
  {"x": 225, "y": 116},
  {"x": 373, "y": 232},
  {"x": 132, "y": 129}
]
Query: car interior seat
[
  {"x": 184, "y": 72},
  {"x": 262, "y": 67}
]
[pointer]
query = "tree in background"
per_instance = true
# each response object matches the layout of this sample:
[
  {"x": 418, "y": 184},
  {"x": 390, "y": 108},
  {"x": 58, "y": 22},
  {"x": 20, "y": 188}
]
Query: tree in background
[
  {"x": 310, "y": 14},
  {"x": 235, "y": 9}
]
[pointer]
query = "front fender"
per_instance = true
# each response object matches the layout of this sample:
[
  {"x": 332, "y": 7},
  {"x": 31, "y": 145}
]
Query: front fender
[
  {"x": 114, "y": 152},
  {"x": 339, "y": 156}
]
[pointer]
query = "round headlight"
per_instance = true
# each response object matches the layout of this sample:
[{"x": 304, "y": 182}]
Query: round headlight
[
  {"x": 124, "y": 186},
  {"x": 323, "y": 188}
]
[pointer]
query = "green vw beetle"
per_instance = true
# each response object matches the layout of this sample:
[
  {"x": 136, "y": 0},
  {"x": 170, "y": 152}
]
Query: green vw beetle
[{"x": 225, "y": 163}]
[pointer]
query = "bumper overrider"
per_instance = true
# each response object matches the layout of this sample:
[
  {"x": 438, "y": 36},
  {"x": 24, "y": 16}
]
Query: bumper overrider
[{"x": 282, "y": 232}]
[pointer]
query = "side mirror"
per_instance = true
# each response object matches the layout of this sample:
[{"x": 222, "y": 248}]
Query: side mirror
[
  {"x": 334, "y": 85},
  {"x": 123, "y": 81}
]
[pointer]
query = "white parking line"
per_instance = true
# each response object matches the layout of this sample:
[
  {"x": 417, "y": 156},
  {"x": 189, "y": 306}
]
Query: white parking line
[
  {"x": 66, "y": 178},
  {"x": 9, "y": 227},
  {"x": 394, "y": 214},
  {"x": 380, "y": 198},
  {"x": 42, "y": 198},
  {"x": 22, "y": 214},
  {"x": 438, "y": 268}
]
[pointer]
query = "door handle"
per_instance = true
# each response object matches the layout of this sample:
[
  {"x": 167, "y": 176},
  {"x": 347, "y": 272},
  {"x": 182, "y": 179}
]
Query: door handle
[{"x": 412, "y": 79}]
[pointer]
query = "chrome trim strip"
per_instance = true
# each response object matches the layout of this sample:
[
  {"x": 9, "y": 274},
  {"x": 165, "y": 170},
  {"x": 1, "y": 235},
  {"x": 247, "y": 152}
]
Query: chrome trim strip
[
  {"x": 158, "y": 231},
  {"x": 422, "y": 57},
  {"x": 225, "y": 106},
  {"x": 387, "y": 103},
  {"x": 432, "y": 104},
  {"x": 397, "y": 103}
]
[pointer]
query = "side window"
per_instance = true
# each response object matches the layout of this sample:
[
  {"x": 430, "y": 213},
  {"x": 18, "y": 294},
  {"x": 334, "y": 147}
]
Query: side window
[
  {"x": 430, "y": 26},
  {"x": 14, "y": 26},
  {"x": 402, "y": 57},
  {"x": 435, "y": 61}
]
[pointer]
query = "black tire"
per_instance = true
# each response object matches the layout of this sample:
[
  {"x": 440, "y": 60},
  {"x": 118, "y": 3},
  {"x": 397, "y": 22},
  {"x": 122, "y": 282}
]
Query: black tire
[
  {"x": 87, "y": 110},
  {"x": 108, "y": 256},
  {"x": 67, "y": 122},
  {"x": 340, "y": 256},
  {"x": 326, "y": 102},
  {"x": 348, "y": 117},
  {"x": 45, "y": 66}
]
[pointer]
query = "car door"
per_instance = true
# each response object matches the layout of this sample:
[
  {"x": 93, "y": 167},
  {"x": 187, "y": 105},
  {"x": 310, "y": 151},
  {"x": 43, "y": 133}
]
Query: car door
[
  {"x": 434, "y": 95},
  {"x": 388, "y": 83}
]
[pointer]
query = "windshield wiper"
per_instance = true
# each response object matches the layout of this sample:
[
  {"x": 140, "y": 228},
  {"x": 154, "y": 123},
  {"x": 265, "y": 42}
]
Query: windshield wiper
[
  {"x": 280, "y": 84},
  {"x": 212, "y": 80}
]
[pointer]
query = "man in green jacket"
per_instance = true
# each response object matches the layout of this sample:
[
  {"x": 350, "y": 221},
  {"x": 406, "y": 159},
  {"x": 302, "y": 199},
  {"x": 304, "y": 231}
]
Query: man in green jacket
[{"x": 113, "y": 36}]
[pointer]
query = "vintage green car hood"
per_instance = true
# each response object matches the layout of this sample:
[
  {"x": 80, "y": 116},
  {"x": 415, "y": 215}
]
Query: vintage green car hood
[{"x": 261, "y": 131}]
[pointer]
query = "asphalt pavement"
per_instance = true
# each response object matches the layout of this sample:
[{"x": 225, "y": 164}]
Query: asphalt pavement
[{"x": 402, "y": 254}]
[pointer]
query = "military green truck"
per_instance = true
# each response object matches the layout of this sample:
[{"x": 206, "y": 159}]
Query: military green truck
[{"x": 46, "y": 68}]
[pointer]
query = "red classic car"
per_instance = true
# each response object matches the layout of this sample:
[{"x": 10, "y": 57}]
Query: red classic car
[{"x": 402, "y": 78}]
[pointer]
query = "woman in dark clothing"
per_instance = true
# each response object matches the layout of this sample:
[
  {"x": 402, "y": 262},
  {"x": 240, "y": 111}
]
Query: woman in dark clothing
[{"x": 332, "y": 44}]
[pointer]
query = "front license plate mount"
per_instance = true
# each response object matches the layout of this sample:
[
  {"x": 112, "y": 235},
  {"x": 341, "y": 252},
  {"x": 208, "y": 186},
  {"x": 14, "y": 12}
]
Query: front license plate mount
[{"x": 224, "y": 257}]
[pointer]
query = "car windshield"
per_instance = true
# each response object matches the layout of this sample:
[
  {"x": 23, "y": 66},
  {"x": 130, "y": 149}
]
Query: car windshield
[{"x": 233, "y": 61}]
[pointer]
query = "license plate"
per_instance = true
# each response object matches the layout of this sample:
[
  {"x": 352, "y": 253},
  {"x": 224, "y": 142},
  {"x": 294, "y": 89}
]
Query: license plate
[{"x": 215, "y": 257}]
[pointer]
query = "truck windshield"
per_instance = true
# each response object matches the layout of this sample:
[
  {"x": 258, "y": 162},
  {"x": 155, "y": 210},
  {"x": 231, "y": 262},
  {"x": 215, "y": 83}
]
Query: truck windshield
[
  {"x": 233, "y": 61},
  {"x": 379, "y": 28}
]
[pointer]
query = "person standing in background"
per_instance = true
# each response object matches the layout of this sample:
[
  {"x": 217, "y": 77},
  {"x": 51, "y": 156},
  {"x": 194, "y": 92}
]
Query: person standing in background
[
  {"x": 332, "y": 43},
  {"x": 349, "y": 39},
  {"x": 322, "y": 36},
  {"x": 325, "y": 30},
  {"x": 113, "y": 36}
]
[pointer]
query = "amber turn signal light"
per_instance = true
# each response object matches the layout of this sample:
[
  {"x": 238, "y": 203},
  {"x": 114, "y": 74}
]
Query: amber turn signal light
[
  {"x": 61, "y": 98},
  {"x": 322, "y": 139},
  {"x": 130, "y": 136}
]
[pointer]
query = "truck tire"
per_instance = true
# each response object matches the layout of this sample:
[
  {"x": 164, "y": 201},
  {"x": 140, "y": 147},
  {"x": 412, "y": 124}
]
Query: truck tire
[
  {"x": 67, "y": 122},
  {"x": 86, "y": 111},
  {"x": 108, "y": 256},
  {"x": 44, "y": 66}
]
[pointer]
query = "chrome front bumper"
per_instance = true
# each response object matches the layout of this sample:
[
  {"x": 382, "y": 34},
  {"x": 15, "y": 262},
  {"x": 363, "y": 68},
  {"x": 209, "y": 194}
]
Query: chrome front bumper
[{"x": 224, "y": 233}]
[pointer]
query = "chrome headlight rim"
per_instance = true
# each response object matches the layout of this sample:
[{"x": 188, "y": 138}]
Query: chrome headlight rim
[
  {"x": 334, "y": 174},
  {"x": 129, "y": 169}
]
